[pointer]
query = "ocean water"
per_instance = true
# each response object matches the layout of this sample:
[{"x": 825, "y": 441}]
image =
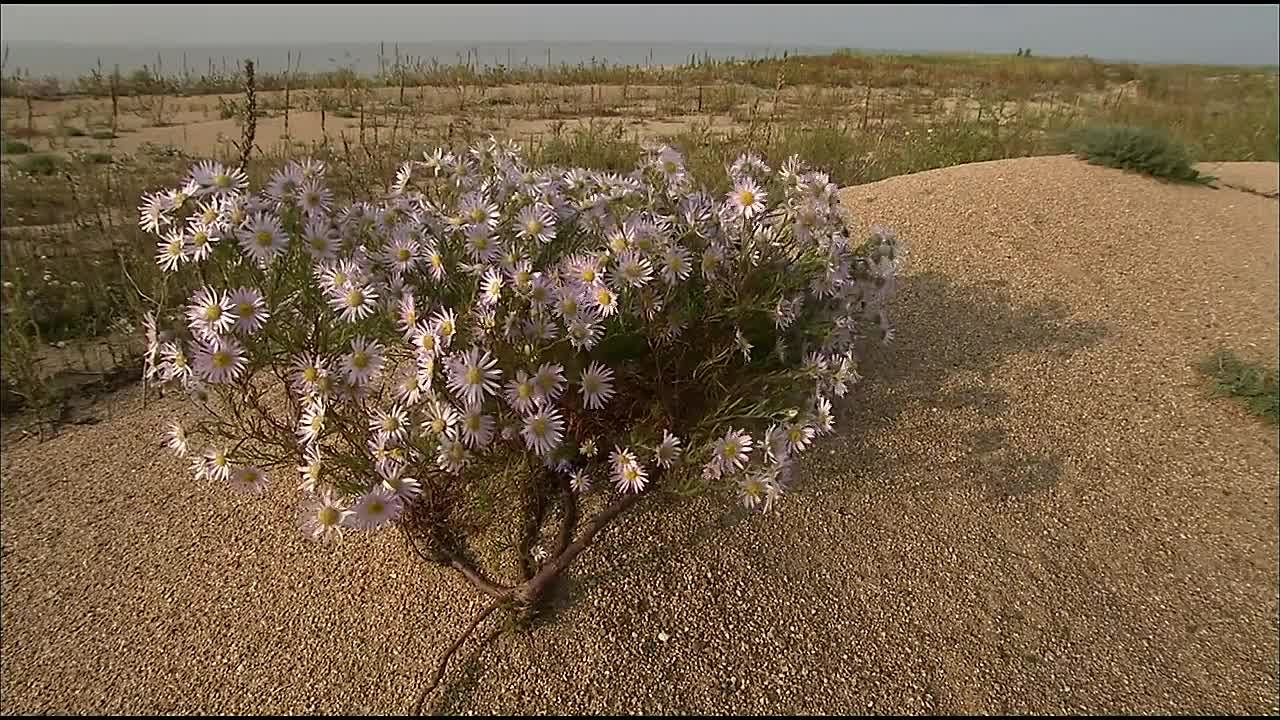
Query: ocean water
[{"x": 71, "y": 61}]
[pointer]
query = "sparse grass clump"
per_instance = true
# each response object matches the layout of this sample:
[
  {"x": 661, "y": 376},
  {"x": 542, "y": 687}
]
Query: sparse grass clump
[
  {"x": 1140, "y": 149},
  {"x": 1253, "y": 384},
  {"x": 40, "y": 164},
  {"x": 16, "y": 147},
  {"x": 103, "y": 135}
]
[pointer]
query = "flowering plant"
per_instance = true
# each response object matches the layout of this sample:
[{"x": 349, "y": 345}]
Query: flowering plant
[{"x": 485, "y": 328}]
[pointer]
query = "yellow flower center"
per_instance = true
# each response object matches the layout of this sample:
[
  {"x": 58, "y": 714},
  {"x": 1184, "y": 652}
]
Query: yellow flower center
[
  {"x": 245, "y": 309},
  {"x": 310, "y": 374},
  {"x": 220, "y": 359},
  {"x": 533, "y": 227},
  {"x": 569, "y": 306},
  {"x": 390, "y": 424},
  {"x": 355, "y": 298},
  {"x": 327, "y": 516},
  {"x": 376, "y": 507},
  {"x": 476, "y": 215},
  {"x": 473, "y": 422},
  {"x": 746, "y": 197},
  {"x": 403, "y": 254},
  {"x": 795, "y": 434},
  {"x": 222, "y": 180},
  {"x": 473, "y": 376},
  {"x": 730, "y": 449},
  {"x": 588, "y": 275},
  {"x": 200, "y": 238},
  {"x": 339, "y": 278},
  {"x": 360, "y": 360},
  {"x": 212, "y": 312},
  {"x": 319, "y": 243},
  {"x": 630, "y": 474},
  {"x": 618, "y": 243},
  {"x": 410, "y": 317},
  {"x": 446, "y": 328},
  {"x": 538, "y": 426},
  {"x": 604, "y": 297},
  {"x": 264, "y": 238},
  {"x": 480, "y": 242},
  {"x": 522, "y": 278}
]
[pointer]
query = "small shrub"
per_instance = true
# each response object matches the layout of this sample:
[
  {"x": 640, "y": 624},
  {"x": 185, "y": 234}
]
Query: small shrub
[
  {"x": 98, "y": 158},
  {"x": 1252, "y": 383},
  {"x": 1144, "y": 150},
  {"x": 16, "y": 147},
  {"x": 596, "y": 147},
  {"x": 40, "y": 164},
  {"x": 492, "y": 341},
  {"x": 72, "y": 131},
  {"x": 103, "y": 135}
]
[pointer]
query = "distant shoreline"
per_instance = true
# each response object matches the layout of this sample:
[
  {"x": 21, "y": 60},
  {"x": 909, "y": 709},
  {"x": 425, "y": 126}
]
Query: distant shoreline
[{"x": 70, "y": 60}]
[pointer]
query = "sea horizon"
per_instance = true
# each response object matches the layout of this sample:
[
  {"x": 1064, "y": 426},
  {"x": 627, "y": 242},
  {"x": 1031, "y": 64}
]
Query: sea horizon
[{"x": 67, "y": 60}]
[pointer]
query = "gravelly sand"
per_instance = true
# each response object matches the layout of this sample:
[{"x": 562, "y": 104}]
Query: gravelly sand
[
  {"x": 1259, "y": 177},
  {"x": 1035, "y": 507}
]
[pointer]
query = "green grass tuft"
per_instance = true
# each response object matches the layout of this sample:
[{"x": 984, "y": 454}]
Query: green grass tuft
[
  {"x": 40, "y": 164},
  {"x": 1252, "y": 383},
  {"x": 1140, "y": 149},
  {"x": 16, "y": 147},
  {"x": 103, "y": 135}
]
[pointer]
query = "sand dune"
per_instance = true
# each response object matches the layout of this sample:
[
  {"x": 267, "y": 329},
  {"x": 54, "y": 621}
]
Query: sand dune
[{"x": 1033, "y": 506}]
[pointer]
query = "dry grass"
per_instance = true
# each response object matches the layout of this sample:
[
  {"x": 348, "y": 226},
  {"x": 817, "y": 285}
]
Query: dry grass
[{"x": 66, "y": 208}]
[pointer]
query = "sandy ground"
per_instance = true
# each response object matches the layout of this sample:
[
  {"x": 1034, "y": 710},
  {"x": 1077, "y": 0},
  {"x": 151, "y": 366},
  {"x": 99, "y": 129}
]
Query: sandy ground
[
  {"x": 1259, "y": 177},
  {"x": 1034, "y": 507},
  {"x": 196, "y": 124}
]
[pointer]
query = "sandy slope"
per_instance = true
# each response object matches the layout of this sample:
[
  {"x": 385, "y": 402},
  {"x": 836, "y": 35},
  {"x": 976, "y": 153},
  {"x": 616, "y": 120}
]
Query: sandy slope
[{"x": 1034, "y": 507}]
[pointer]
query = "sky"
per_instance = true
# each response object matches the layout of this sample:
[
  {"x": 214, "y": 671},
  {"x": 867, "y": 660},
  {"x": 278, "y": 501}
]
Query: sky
[{"x": 1245, "y": 34}]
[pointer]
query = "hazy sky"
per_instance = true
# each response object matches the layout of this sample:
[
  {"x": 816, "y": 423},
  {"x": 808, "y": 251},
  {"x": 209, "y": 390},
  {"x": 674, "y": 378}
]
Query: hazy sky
[{"x": 1192, "y": 33}]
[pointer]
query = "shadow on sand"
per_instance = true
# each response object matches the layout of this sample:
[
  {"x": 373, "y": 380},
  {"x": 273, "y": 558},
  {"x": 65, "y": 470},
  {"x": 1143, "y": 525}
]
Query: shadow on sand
[{"x": 946, "y": 332}]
